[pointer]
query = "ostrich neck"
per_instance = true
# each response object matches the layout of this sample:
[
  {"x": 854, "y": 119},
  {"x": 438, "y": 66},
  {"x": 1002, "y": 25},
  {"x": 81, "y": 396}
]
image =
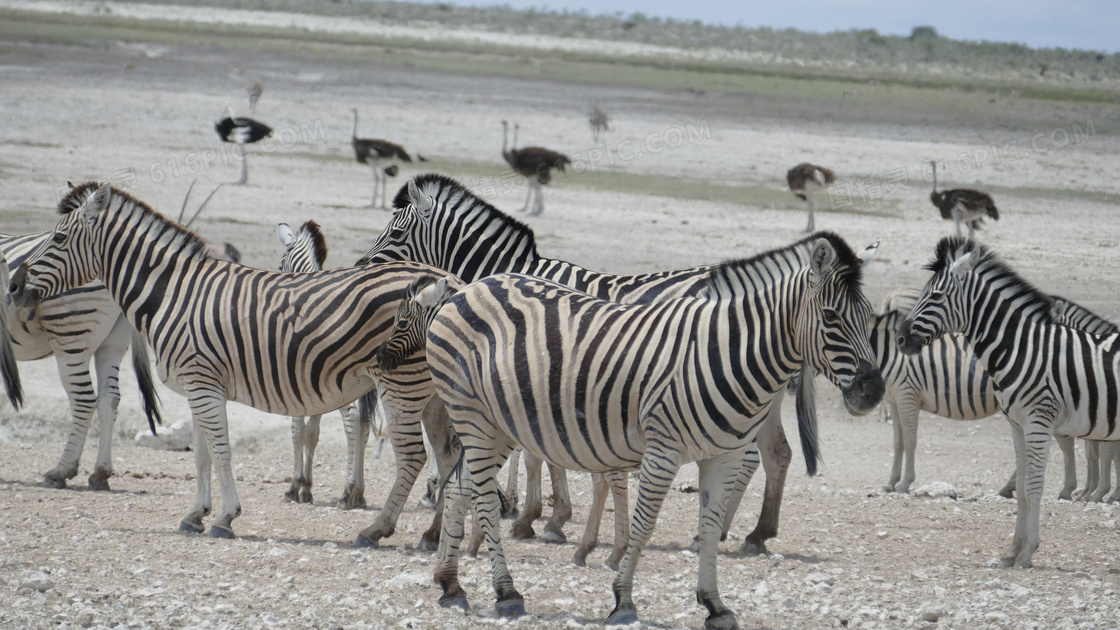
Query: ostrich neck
[
  {"x": 354, "y": 133},
  {"x": 935, "y": 177}
]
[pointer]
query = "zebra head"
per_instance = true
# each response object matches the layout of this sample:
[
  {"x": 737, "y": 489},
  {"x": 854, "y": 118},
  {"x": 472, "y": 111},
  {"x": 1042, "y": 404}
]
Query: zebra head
[
  {"x": 305, "y": 251},
  {"x": 65, "y": 260},
  {"x": 413, "y": 210},
  {"x": 833, "y": 325},
  {"x": 418, "y": 309},
  {"x": 942, "y": 306}
]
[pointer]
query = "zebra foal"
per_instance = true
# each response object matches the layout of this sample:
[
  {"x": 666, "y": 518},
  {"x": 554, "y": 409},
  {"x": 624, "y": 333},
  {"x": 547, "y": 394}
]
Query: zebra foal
[
  {"x": 588, "y": 384},
  {"x": 292, "y": 344},
  {"x": 1052, "y": 379}
]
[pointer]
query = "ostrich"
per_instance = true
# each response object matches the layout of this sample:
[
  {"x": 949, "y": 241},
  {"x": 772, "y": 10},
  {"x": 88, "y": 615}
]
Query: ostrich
[
  {"x": 241, "y": 131},
  {"x": 533, "y": 163},
  {"x": 806, "y": 180},
  {"x": 963, "y": 204},
  {"x": 372, "y": 152},
  {"x": 254, "y": 91},
  {"x": 598, "y": 119}
]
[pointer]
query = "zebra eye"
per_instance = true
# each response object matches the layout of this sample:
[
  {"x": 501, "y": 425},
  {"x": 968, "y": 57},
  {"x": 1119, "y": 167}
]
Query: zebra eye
[
  {"x": 59, "y": 237},
  {"x": 936, "y": 296},
  {"x": 831, "y": 316}
]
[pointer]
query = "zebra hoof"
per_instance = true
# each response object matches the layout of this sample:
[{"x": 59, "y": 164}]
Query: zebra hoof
[
  {"x": 362, "y": 542},
  {"x": 292, "y": 495},
  {"x": 455, "y": 600},
  {"x": 553, "y": 536},
  {"x": 522, "y": 530},
  {"x": 306, "y": 497},
  {"x": 427, "y": 545},
  {"x": 622, "y": 617},
  {"x": 580, "y": 558},
  {"x": 511, "y": 607},
  {"x": 191, "y": 528},
  {"x": 217, "y": 531},
  {"x": 56, "y": 483},
  {"x": 753, "y": 548},
  {"x": 722, "y": 621},
  {"x": 98, "y": 484}
]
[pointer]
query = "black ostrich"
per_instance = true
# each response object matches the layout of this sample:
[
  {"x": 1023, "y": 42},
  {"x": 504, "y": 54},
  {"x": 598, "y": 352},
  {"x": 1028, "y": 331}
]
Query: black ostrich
[
  {"x": 534, "y": 164},
  {"x": 963, "y": 204},
  {"x": 806, "y": 180},
  {"x": 241, "y": 131},
  {"x": 374, "y": 152}
]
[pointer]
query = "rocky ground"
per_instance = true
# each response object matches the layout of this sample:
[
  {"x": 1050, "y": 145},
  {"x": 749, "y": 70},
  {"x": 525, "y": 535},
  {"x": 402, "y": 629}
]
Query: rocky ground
[{"x": 848, "y": 555}]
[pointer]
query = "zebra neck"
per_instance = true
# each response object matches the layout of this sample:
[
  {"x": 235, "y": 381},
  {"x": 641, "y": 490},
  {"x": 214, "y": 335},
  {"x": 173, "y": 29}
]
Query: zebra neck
[
  {"x": 1000, "y": 321},
  {"x": 142, "y": 258}
]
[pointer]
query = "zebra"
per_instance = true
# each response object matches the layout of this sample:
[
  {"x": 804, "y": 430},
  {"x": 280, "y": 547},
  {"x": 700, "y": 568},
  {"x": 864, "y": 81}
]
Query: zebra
[
  {"x": 439, "y": 222},
  {"x": 1052, "y": 379},
  {"x": 1100, "y": 456},
  {"x": 293, "y": 344},
  {"x": 943, "y": 379},
  {"x": 9, "y": 369},
  {"x": 590, "y": 384},
  {"x": 78, "y": 326}
]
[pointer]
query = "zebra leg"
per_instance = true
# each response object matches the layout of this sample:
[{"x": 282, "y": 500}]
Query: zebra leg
[
  {"x": 1092, "y": 469},
  {"x": 74, "y": 372},
  {"x": 899, "y": 447},
  {"x": 776, "y": 456},
  {"x": 107, "y": 365},
  {"x": 1115, "y": 448},
  {"x": 523, "y": 526},
  {"x": 1031, "y": 450},
  {"x": 408, "y": 446},
  {"x": 192, "y": 522},
  {"x": 357, "y": 436},
  {"x": 561, "y": 506},
  {"x": 445, "y": 449},
  {"x": 208, "y": 409},
  {"x": 660, "y": 465},
  {"x": 1069, "y": 483},
  {"x": 599, "y": 490},
  {"x": 906, "y": 416},
  {"x": 619, "y": 485},
  {"x": 512, "y": 493},
  {"x": 456, "y": 497},
  {"x": 717, "y": 477},
  {"x": 297, "y": 460},
  {"x": 510, "y": 604},
  {"x": 310, "y": 443},
  {"x": 751, "y": 461},
  {"x": 1104, "y": 484}
]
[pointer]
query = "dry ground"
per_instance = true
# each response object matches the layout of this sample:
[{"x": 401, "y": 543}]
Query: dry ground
[{"x": 142, "y": 116}]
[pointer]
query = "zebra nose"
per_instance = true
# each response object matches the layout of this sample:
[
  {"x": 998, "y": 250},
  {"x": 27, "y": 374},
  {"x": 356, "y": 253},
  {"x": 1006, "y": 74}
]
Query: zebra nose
[
  {"x": 385, "y": 359},
  {"x": 866, "y": 389}
]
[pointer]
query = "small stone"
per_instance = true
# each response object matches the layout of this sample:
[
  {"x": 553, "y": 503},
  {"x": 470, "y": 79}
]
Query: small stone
[
  {"x": 36, "y": 581},
  {"x": 931, "y": 616},
  {"x": 881, "y": 535}
]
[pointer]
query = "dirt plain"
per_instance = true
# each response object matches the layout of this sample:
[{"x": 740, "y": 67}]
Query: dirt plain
[{"x": 849, "y": 555}]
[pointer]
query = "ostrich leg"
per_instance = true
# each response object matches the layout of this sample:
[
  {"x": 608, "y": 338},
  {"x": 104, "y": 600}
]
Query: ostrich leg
[
  {"x": 812, "y": 223},
  {"x": 244, "y": 164}
]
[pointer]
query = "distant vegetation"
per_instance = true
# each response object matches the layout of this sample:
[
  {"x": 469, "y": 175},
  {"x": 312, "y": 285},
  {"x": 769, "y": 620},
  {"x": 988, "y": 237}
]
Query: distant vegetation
[{"x": 867, "y": 47}]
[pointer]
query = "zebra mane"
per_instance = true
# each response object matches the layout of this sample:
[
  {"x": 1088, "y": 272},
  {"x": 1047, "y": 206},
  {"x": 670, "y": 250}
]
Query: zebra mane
[
  {"x": 1011, "y": 284},
  {"x": 175, "y": 237},
  {"x": 457, "y": 198},
  {"x": 725, "y": 278},
  {"x": 318, "y": 241}
]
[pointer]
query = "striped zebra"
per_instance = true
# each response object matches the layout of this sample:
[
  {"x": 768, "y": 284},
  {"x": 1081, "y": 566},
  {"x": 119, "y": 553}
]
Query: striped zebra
[
  {"x": 439, "y": 222},
  {"x": 292, "y": 344},
  {"x": 9, "y": 369},
  {"x": 1052, "y": 379},
  {"x": 80, "y": 325},
  {"x": 590, "y": 384},
  {"x": 943, "y": 379}
]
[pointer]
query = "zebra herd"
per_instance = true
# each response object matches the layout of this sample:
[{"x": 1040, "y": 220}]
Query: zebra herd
[{"x": 465, "y": 333}]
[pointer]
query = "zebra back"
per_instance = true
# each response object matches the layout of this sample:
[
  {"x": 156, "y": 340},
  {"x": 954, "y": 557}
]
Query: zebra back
[{"x": 1069, "y": 313}]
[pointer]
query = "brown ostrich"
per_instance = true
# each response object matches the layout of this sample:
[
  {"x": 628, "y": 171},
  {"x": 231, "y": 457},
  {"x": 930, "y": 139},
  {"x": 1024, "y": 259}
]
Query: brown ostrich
[
  {"x": 963, "y": 204},
  {"x": 806, "y": 180},
  {"x": 534, "y": 164},
  {"x": 374, "y": 152}
]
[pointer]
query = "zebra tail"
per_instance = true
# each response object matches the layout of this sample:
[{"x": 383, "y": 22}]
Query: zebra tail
[
  {"x": 458, "y": 467},
  {"x": 9, "y": 367},
  {"x": 143, "y": 368},
  {"x": 367, "y": 406},
  {"x": 807, "y": 419}
]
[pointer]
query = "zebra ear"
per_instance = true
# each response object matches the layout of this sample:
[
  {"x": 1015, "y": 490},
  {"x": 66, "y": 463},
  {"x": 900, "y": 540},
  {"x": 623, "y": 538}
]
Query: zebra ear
[
  {"x": 868, "y": 254},
  {"x": 434, "y": 294},
  {"x": 285, "y": 234},
  {"x": 423, "y": 203},
  {"x": 962, "y": 265},
  {"x": 822, "y": 258},
  {"x": 97, "y": 203},
  {"x": 1058, "y": 308}
]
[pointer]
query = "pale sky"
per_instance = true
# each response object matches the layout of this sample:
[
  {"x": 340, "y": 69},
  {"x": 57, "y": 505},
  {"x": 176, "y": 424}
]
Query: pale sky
[{"x": 1086, "y": 24}]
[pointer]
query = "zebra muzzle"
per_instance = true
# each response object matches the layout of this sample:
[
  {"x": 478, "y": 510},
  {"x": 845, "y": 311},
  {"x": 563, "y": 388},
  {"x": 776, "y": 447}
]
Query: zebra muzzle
[
  {"x": 22, "y": 295},
  {"x": 387, "y": 361},
  {"x": 866, "y": 389},
  {"x": 910, "y": 342}
]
